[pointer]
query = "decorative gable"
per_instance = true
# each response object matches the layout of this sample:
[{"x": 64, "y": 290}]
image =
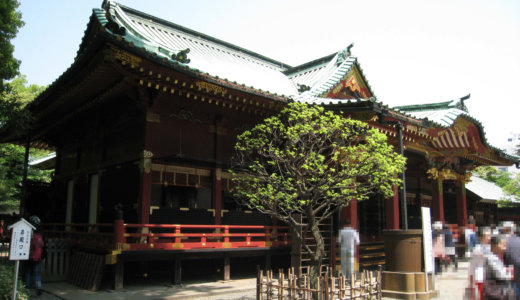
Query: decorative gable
[{"x": 352, "y": 86}]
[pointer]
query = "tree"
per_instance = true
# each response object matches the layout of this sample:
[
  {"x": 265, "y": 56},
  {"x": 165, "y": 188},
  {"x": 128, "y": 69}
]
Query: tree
[
  {"x": 492, "y": 174},
  {"x": 11, "y": 174},
  {"x": 12, "y": 117},
  {"x": 19, "y": 93},
  {"x": 11, "y": 21},
  {"x": 310, "y": 161},
  {"x": 509, "y": 183}
]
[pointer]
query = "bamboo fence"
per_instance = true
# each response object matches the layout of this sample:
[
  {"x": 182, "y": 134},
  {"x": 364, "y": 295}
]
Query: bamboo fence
[{"x": 364, "y": 285}]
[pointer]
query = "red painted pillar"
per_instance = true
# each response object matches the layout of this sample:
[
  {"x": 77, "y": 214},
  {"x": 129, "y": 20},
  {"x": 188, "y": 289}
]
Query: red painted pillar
[
  {"x": 217, "y": 195},
  {"x": 119, "y": 233},
  {"x": 392, "y": 210},
  {"x": 462, "y": 210},
  {"x": 437, "y": 200},
  {"x": 350, "y": 213}
]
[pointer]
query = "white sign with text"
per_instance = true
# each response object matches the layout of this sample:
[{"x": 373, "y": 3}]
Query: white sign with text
[
  {"x": 20, "y": 240},
  {"x": 427, "y": 239}
]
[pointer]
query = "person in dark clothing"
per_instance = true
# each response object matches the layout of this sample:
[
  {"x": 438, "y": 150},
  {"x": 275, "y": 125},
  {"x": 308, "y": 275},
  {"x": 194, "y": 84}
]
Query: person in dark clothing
[
  {"x": 449, "y": 245},
  {"x": 438, "y": 246},
  {"x": 36, "y": 255},
  {"x": 512, "y": 254}
]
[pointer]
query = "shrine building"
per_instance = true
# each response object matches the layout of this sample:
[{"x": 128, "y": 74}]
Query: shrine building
[{"x": 144, "y": 122}]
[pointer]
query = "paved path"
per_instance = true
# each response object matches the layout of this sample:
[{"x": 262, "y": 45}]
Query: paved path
[{"x": 450, "y": 286}]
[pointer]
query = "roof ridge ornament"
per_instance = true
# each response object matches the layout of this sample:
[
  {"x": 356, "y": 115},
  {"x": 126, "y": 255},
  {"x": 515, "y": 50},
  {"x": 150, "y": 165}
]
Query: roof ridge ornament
[
  {"x": 182, "y": 56},
  {"x": 342, "y": 55},
  {"x": 460, "y": 104},
  {"x": 303, "y": 88},
  {"x": 111, "y": 24}
]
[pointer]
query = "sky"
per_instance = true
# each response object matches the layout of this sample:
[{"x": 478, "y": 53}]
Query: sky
[{"x": 411, "y": 52}]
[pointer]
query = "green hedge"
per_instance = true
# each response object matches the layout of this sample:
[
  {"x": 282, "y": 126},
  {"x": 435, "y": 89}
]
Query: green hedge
[{"x": 6, "y": 283}]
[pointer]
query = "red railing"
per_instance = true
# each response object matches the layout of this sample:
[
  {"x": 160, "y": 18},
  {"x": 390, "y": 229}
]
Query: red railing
[
  {"x": 176, "y": 236},
  {"x": 125, "y": 237}
]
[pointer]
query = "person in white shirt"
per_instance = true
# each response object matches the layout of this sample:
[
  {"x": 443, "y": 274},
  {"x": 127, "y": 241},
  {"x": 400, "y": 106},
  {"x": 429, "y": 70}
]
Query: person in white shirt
[
  {"x": 497, "y": 280},
  {"x": 478, "y": 260},
  {"x": 348, "y": 239}
]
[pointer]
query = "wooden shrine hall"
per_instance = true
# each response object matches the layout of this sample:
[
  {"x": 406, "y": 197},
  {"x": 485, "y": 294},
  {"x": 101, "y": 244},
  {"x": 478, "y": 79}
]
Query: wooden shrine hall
[{"x": 144, "y": 123}]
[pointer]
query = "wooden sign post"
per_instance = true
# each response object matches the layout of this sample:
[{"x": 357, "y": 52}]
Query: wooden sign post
[{"x": 20, "y": 246}]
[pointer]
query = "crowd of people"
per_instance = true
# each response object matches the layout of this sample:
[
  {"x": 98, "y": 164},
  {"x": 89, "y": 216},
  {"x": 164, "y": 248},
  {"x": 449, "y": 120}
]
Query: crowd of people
[{"x": 494, "y": 256}]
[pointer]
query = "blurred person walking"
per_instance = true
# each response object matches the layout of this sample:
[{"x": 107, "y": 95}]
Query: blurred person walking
[
  {"x": 512, "y": 253},
  {"x": 348, "y": 239},
  {"x": 36, "y": 255},
  {"x": 497, "y": 280},
  {"x": 439, "y": 252},
  {"x": 449, "y": 245}
]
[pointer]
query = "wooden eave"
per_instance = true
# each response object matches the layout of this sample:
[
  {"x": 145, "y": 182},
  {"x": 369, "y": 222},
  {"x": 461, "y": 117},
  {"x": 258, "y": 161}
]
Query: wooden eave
[
  {"x": 91, "y": 77},
  {"x": 195, "y": 87},
  {"x": 96, "y": 81}
]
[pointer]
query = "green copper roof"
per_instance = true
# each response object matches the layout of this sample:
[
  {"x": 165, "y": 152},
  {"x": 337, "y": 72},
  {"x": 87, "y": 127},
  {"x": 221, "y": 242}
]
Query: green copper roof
[
  {"x": 443, "y": 113},
  {"x": 210, "y": 56},
  {"x": 206, "y": 54},
  {"x": 322, "y": 75}
]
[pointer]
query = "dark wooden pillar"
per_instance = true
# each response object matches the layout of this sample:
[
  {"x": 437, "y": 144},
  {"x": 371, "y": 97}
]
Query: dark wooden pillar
[
  {"x": 217, "y": 195},
  {"x": 217, "y": 174},
  {"x": 147, "y": 102},
  {"x": 437, "y": 200},
  {"x": 462, "y": 209},
  {"x": 177, "y": 270},
  {"x": 146, "y": 188},
  {"x": 267, "y": 261},
  {"x": 119, "y": 269},
  {"x": 227, "y": 267},
  {"x": 392, "y": 210}
]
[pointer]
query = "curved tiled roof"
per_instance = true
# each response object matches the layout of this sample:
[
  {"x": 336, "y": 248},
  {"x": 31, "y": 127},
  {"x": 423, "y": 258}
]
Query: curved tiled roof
[
  {"x": 444, "y": 114},
  {"x": 323, "y": 74},
  {"x": 207, "y": 55},
  {"x": 443, "y": 117}
]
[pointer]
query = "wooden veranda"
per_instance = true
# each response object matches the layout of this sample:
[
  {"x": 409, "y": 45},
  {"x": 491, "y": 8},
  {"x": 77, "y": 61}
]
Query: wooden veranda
[{"x": 111, "y": 245}]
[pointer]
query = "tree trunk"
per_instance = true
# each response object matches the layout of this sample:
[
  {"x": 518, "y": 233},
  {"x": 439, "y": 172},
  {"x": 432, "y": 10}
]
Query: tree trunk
[{"x": 319, "y": 252}]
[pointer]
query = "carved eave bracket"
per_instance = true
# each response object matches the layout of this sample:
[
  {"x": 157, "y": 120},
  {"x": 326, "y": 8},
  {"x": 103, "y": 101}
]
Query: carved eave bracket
[{"x": 448, "y": 174}]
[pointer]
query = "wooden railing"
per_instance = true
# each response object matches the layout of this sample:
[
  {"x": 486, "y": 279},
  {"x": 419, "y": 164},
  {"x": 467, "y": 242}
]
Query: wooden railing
[
  {"x": 125, "y": 237},
  {"x": 177, "y": 236},
  {"x": 88, "y": 235}
]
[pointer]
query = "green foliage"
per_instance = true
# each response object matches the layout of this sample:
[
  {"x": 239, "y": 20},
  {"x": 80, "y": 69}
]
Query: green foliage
[
  {"x": 492, "y": 174},
  {"x": 12, "y": 117},
  {"x": 510, "y": 184},
  {"x": 310, "y": 161},
  {"x": 311, "y": 158},
  {"x": 11, "y": 173},
  {"x": 10, "y": 22},
  {"x": 17, "y": 95},
  {"x": 21, "y": 91},
  {"x": 6, "y": 284}
]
